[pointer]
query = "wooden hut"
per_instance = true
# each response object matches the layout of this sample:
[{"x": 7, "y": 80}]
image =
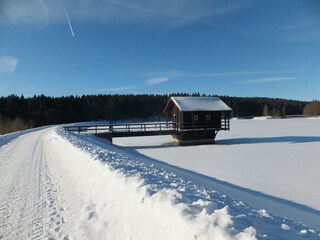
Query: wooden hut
[{"x": 197, "y": 119}]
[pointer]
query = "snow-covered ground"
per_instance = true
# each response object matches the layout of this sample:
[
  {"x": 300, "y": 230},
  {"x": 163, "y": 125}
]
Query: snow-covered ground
[
  {"x": 59, "y": 185},
  {"x": 272, "y": 163}
]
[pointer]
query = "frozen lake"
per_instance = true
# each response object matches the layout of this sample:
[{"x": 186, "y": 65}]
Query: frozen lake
[{"x": 278, "y": 158}]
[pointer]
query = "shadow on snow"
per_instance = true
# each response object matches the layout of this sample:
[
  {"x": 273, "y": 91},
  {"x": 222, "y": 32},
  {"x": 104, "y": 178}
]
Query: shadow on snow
[
  {"x": 284, "y": 139},
  {"x": 276, "y": 205}
]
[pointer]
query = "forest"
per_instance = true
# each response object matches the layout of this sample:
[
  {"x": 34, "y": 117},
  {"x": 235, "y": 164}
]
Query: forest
[{"x": 19, "y": 112}]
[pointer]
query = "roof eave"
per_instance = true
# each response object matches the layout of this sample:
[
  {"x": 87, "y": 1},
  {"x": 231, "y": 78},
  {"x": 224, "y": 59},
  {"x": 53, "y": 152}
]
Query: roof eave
[
  {"x": 202, "y": 110},
  {"x": 174, "y": 102}
]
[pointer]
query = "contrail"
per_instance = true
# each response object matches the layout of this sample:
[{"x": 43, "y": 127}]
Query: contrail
[{"x": 72, "y": 33}]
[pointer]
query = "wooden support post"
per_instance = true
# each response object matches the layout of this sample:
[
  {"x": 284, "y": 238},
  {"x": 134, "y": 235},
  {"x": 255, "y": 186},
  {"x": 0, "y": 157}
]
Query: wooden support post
[{"x": 192, "y": 121}]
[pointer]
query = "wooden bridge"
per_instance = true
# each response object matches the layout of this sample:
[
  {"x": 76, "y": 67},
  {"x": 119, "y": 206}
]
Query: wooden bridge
[{"x": 109, "y": 131}]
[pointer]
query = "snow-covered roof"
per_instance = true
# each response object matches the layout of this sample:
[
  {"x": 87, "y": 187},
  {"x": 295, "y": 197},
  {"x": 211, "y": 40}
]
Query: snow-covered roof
[{"x": 188, "y": 104}]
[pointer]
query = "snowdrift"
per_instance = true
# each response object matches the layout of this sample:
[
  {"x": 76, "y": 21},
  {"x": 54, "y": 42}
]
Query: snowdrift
[{"x": 131, "y": 198}]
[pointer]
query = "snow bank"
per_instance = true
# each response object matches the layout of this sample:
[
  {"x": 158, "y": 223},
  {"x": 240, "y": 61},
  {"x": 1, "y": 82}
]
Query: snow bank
[
  {"x": 262, "y": 118},
  {"x": 116, "y": 202},
  {"x": 9, "y": 137},
  {"x": 123, "y": 197}
]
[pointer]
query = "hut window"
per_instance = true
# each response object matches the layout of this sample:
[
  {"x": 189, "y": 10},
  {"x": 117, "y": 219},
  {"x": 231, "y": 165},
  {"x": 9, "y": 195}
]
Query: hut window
[
  {"x": 208, "y": 117},
  {"x": 195, "y": 117}
]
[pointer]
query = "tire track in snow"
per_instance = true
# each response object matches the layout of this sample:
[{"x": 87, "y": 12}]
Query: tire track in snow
[{"x": 29, "y": 208}]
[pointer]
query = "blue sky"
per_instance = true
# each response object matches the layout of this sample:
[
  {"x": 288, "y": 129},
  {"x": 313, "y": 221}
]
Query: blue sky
[{"x": 237, "y": 48}]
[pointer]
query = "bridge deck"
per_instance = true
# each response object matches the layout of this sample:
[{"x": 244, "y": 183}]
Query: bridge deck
[
  {"x": 110, "y": 131},
  {"x": 126, "y": 130}
]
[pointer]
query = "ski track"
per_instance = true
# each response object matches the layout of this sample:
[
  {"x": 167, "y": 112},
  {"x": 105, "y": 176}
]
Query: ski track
[{"x": 29, "y": 209}]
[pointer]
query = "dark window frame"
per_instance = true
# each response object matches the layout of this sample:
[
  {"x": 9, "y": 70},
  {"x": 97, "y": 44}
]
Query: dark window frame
[{"x": 196, "y": 117}]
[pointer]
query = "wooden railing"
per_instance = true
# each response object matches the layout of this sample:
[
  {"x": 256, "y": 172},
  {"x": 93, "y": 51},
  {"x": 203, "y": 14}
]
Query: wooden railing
[
  {"x": 186, "y": 130},
  {"x": 128, "y": 127},
  {"x": 223, "y": 125},
  {"x": 148, "y": 127}
]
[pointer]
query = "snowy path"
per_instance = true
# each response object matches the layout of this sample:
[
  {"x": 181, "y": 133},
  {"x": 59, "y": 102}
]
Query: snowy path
[
  {"x": 29, "y": 208},
  {"x": 58, "y": 185}
]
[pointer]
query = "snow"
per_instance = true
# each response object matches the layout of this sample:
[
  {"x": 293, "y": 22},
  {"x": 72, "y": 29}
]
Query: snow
[
  {"x": 28, "y": 202},
  {"x": 132, "y": 206},
  {"x": 285, "y": 226},
  {"x": 200, "y": 104},
  {"x": 60, "y": 185},
  {"x": 262, "y": 118},
  {"x": 270, "y": 164}
]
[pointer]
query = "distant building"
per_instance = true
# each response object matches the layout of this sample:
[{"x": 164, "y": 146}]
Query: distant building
[{"x": 197, "y": 119}]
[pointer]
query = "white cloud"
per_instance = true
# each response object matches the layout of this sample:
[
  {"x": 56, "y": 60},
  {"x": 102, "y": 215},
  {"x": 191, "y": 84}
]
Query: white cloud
[
  {"x": 168, "y": 74},
  {"x": 270, "y": 79},
  {"x": 291, "y": 30},
  {"x": 115, "y": 89},
  {"x": 228, "y": 74},
  {"x": 169, "y": 12},
  {"x": 158, "y": 80},
  {"x": 176, "y": 74},
  {"x": 8, "y": 64}
]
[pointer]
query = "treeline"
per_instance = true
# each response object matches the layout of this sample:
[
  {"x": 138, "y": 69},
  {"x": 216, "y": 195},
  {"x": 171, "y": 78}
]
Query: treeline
[
  {"x": 312, "y": 109},
  {"x": 42, "y": 110},
  {"x": 17, "y": 124},
  {"x": 256, "y": 106}
]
